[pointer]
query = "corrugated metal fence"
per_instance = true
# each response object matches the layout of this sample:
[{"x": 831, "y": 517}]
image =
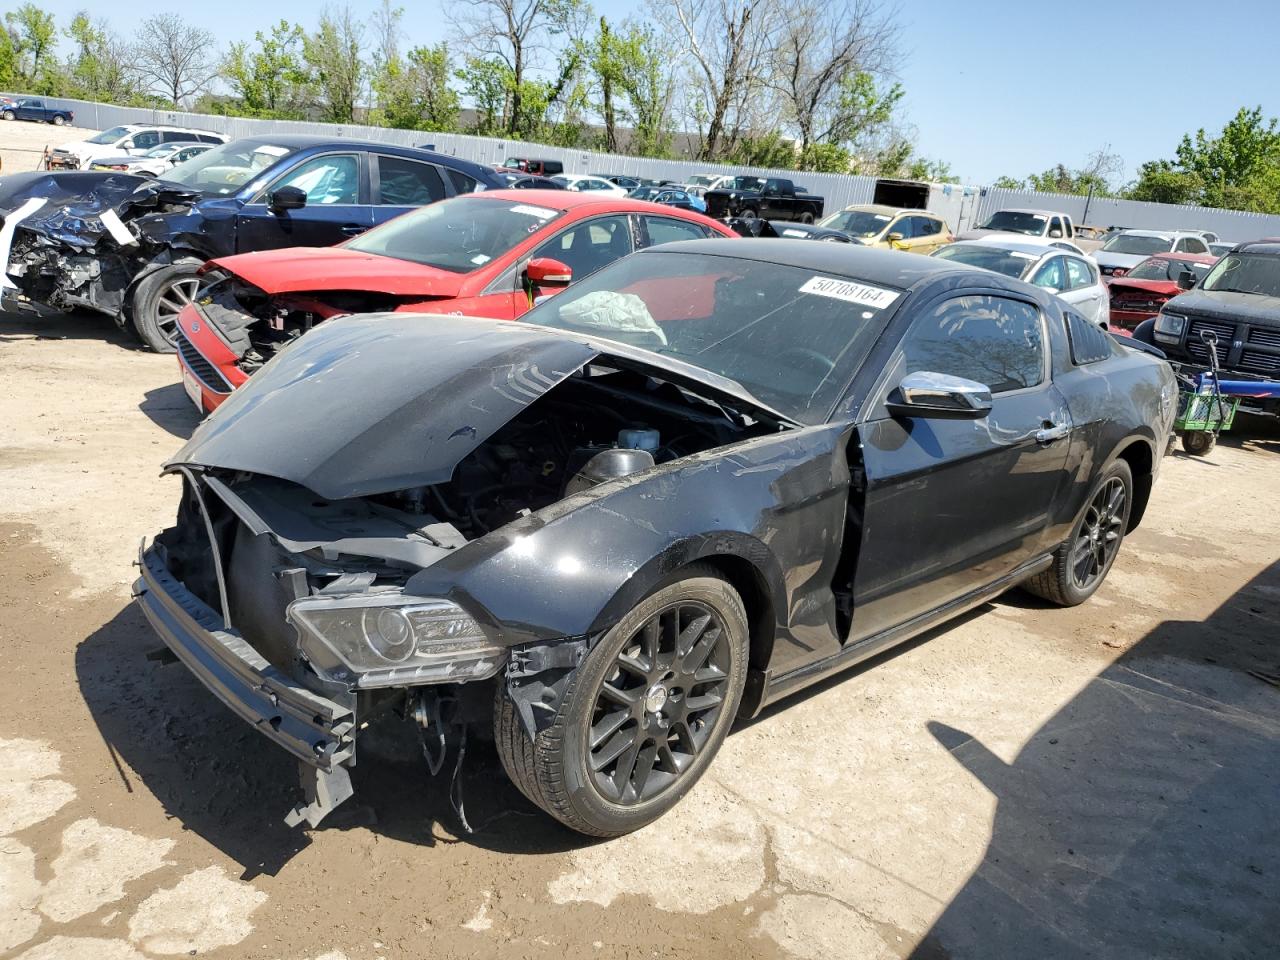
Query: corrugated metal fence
[{"x": 962, "y": 206}]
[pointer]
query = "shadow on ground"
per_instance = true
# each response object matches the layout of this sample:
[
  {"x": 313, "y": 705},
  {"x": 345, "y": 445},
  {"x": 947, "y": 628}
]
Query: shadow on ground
[
  {"x": 171, "y": 409},
  {"x": 83, "y": 325},
  {"x": 1140, "y": 821}
]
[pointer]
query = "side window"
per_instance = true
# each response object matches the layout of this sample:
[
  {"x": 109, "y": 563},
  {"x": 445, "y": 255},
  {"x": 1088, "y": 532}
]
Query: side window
[
  {"x": 586, "y": 247},
  {"x": 1066, "y": 222},
  {"x": 1089, "y": 342},
  {"x": 328, "y": 180},
  {"x": 1051, "y": 275},
  {"x": 1196, "y": 245},
  {"x": 408, "y": 183},
  {"x": 172, "y": 136},
  {"x": 668, "y": 230},
  {"x": 461, "y": 182},
  {"x": 929, "y": 227},
  {"x": 1079, "y": 274},
  {"x": 905, "y": 226},
  {"x": 146, "y": 139},
  {"x": 1181, "y": 246},
  {"x": 993, "y": 340}
]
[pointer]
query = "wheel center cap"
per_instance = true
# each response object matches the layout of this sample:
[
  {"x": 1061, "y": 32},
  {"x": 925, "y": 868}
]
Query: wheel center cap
[{"x": 655, "y": 698}]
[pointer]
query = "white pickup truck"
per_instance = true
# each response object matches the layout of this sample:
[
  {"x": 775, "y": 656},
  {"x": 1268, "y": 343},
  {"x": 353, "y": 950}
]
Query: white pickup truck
[{"x": 1047, "y": 224}]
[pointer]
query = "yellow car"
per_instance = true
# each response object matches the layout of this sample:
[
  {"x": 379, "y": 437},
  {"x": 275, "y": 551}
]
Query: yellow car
[{"x": 875, "y": 225}]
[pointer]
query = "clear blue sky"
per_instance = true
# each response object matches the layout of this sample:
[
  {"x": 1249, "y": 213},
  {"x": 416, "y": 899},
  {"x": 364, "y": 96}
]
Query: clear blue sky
[{"x": 993, "y": 87}]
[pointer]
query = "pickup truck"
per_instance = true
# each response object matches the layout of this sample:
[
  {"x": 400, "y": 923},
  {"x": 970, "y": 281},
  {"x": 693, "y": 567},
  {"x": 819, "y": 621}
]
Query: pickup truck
[
  {"x": 773, "y": 198},
  {"x": 30, "y": 108},
  {"x": 1045, "y": 224}
]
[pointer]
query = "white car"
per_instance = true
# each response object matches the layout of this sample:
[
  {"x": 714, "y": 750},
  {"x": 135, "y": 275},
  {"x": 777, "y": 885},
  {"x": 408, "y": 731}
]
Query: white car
[
  {"x": 1125, "y": 250},
  {"x": 1044, "y": 224},
  {"x": 154, "y": 162},
  {"x": 1073, "y": 277},
  {"x": 589, "y": 184},
  {"x": 1069, "y": 245},
  {"x": 131, "y": 139}
]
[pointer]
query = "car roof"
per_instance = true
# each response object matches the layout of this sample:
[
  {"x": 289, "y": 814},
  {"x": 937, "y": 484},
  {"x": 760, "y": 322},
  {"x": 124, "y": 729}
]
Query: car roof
[
  {"x": 1047, "y": 213},
  {"x": 567, "y": 200},
  {"x": 1188, "y": 257},
  {"x": 1013, "y": 246},
  {"x": 1268, "y": 246},
  {"x": 886, "y": 209},
  {"x": 302, "y": 141},
  {"x": 1162, "y": 234},
  {"x": 891, "y": 268}
]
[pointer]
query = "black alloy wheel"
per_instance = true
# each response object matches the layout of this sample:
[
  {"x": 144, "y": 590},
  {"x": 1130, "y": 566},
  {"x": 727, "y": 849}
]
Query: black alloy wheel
[
  {"x": 638, "y": 722},
  {"x": 158, "y": 299},
  {"x": 1098, "y": 539},
  {"x": 657, "y": 705}
]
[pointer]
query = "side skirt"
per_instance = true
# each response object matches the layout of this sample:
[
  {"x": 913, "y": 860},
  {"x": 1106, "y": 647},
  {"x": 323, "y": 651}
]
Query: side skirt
[{"x": 775, "y": 688}]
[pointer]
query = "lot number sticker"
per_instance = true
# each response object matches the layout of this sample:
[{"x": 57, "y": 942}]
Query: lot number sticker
[{"x": 847, "y": 290}]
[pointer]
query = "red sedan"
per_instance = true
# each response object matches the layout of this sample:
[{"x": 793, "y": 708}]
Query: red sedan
[
  {"x": 1142, "y": 291},
  {"x": 490, "y": 254}
]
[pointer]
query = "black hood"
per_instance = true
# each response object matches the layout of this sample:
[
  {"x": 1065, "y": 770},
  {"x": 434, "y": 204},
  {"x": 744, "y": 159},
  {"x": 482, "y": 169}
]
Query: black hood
[
  {"x": 1224, "y": 305},
  {"x": 76, "y": 200},
  {"x": 379, "y": 402}
]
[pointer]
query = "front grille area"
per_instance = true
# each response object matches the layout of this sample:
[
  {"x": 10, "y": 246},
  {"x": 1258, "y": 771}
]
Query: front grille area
[
  {"x": 1255, "y": 362},
  {"x": 1223, "y": 330},
  {"x": 1265, "y": 337},
  {"x": 201, "y": 367}
]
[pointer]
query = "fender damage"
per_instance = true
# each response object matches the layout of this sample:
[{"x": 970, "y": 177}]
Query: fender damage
[{"x": 353, "y": 495}]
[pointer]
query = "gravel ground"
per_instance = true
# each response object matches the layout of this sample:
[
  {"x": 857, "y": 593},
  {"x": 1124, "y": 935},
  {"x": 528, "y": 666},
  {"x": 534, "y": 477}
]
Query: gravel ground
[
  {"x": 23, "y": 143},
  {"x": 1027, "y": 782}
]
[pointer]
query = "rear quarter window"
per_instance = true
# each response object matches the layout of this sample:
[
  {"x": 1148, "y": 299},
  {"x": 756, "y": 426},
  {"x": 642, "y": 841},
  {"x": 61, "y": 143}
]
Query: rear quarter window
[{"x": 1089, "y": 342}]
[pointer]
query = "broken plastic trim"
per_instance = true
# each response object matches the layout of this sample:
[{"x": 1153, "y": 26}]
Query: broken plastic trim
[{"x": 537, "y": 675}]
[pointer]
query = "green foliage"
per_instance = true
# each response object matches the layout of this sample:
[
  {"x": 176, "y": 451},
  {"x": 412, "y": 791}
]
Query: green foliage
[
  {"x": 1009, "y": 183},
  {"x": 334, "y": 56},
  {"x": 32, "y": 35},
  {"x": 770, "y": 150},
  {"x": 270, "y": 79},
  {"x": 414, "y": 93}
]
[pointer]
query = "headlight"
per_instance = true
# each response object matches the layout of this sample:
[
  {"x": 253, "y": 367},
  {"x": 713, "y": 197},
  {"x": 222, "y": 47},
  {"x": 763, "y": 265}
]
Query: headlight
[
  {"x": 394, "y": 640},
  {"x": 1169, "y": 327}
]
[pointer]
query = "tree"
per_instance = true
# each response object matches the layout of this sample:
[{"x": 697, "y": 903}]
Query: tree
[
  {"x": 825, "y": 69},
  {"x": 1009, "y": 183},
  {"x": 174, "y": 59},
  {"x": 647, "y": 82},
  {"x": 32, "y": 37},
  {"x": 510, "y": 35},
  {"x": 607, "y": 63},
  {"x": 271, "y": 80},
  {"x": 335, "y": 54},
  {"x": 101, "y": 65},
  {"x": 728, "y": 44},
  {"x": 414, "y": 93}
]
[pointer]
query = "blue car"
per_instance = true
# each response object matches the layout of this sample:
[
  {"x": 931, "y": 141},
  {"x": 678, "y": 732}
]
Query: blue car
[{"x": 258, "y": 193}]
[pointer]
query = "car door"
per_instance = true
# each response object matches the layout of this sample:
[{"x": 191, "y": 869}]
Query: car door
[
  {"x": 584, "y": 246},
  {"x": 30, "y": 110},
  {"x": 911, "y": 229},
  {"x": 143, "y": 141},
  {"x": 931, "y": 236},
  {"x": 1084, "y": 290},
  {"x": 400, "y": 185},
  {"x": 338, "y": 207},
  {"x": 953, "y": 505}
]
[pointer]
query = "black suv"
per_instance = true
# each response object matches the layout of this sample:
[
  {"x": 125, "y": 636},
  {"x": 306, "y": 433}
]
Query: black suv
[{"x": 1235, "y": 311}]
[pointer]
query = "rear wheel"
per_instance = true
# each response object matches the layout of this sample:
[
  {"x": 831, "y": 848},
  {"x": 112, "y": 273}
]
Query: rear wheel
[
  {"x": 9, "y": 115},
  {"x": 749, "y": 214},
  {"x": 642, "y": 716},
  {"x": 806, "y": 218},
  {"x": 59, "y": 121},
  {"x": 1084, "y": 560},
  {"x": 158, "y": 299}
]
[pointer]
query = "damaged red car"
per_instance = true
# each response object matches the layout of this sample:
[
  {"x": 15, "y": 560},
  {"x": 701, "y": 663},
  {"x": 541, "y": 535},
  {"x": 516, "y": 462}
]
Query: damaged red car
[
  {"x": 484, "y": 255},
  {"x": 1140, "y": 293}
]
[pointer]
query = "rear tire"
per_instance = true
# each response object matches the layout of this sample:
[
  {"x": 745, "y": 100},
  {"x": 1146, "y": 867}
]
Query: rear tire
[
  {"x": 1082, "y": 563},
  {"x": 627, "y": 741},
  {"x": 59, "y": 121},
  {"x": 806, "y": 218},
  {"x": 157, "y": 300},
  {"x": 749, "y": 214},
  {"x": 9, "y": 115}
]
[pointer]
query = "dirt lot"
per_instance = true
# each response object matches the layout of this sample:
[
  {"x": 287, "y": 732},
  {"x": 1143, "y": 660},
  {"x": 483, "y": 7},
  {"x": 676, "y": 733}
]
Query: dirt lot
[
  {"x": 1029, "y": 782},
  {"x": 23, "y": 143}
]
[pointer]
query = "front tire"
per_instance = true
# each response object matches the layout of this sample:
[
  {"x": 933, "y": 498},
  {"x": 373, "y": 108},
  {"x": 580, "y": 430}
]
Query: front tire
[
  {"x": 9, "y": 115},
  {"x": 644, "y": 714},
  {"x": 806, "y": 218},
  {"x": 749, "y": 213},
  {"x": 1084, "y": 560},
  {"x": 158, "y": 299}
]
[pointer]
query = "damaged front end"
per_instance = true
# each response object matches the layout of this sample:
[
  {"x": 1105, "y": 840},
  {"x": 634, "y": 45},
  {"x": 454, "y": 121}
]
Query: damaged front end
[
  {"x": 317, "y": 577},
  {"x": 80, "y": 240}
]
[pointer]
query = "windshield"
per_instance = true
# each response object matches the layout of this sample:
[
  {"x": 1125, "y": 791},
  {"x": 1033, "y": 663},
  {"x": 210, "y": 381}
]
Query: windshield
[
  {"x": 701, "y": 181},
  {"x": 742, "y": 183},
  {"x": 644, "y": 193},
  {"x": 458, "y": 235},
  {"x": 1245, "y": 273},
  {"x": 790, "y": 337},
  {"x": 1137, "y": 245},
  {"x": 109, "y": 136},
  {"x": 163, "y": 150},
  {"x": 1010, "y": 263},
  {"x": 1162, "y": 268},
  {"x": 226, "y": 168},
  {"x": 859, "y": 223},
  {"x": 1014, "y": 221}
]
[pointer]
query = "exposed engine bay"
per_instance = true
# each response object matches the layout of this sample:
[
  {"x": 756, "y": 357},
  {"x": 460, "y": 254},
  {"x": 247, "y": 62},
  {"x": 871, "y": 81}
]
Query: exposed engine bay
[{"x": 79, "y": 240}]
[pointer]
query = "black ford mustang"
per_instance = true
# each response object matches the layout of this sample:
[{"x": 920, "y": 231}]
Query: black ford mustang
[{"x": 697, "y": 481}]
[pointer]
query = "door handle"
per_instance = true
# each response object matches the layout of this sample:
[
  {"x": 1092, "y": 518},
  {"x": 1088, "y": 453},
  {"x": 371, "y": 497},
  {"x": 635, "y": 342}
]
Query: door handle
[
  {"x": 353, "y": 229},
  {"x": 1052, "y": 431}
]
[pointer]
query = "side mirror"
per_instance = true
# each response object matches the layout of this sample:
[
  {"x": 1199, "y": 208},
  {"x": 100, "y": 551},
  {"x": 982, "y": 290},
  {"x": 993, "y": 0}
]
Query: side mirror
[
  {"x": 1186, "y": 280},
  {"x": 940, "y": 396},
  {"x": 548, "y": 272},
  {"x": 127, "y": 145},
  {"x": 1055, "y": 233},
  {"x": 287, "y": 198},
  {"x": 894, "y": 237}
]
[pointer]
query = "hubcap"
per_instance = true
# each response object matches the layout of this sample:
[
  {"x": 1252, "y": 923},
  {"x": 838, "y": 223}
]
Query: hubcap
[
  {"x": 1098, "y": 541},
  {"x": 172, "y": 299},
  {"x": 659, "y": 703}
]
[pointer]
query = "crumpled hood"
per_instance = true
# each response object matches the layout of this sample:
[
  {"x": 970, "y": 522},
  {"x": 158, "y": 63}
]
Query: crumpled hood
[
  {"x": 1106, "y": 258},
  {"x": 1125, "y": 285},
  {"x": 378, "y": 402},
  {"x": 1235, "y": 307},
  {"x": 76, "y": 200},
  {"x": 312, "y": 269}
]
